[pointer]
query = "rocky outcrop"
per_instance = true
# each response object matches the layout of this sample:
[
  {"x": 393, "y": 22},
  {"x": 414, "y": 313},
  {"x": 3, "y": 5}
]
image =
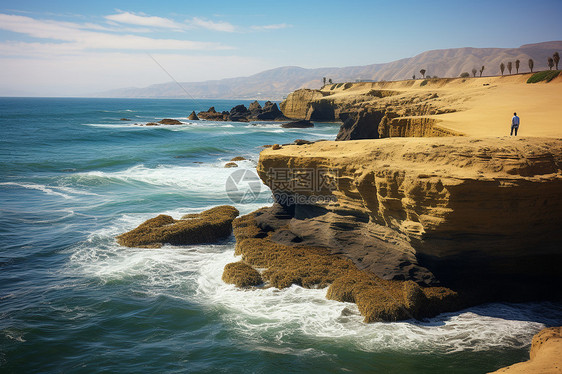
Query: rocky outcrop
[
  {"x": 193, "y": 117},
  {"x": 255, "y": 112},
  {"x": 205, "y": 227},
  {"x": 545, "y": 356},
  {"x": 283, "y": 265},
  {"x": 297, "y": 104},
  {"x": 302, "y": 124},
  {"x": 269, "y": 112},
  {"x": 241, "y": 275},
  {"x": 480, "y": 216},
  {"x": 169, "y": 121},
  {"x": 213, "y": 115}
]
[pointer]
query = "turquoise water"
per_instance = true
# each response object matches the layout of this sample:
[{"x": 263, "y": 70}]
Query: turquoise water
[{"x": 72, "y": 176}]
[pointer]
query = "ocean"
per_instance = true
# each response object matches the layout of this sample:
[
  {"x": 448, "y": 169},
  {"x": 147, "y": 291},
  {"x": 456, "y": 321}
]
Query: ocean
[{"x": 73, "y": 175}]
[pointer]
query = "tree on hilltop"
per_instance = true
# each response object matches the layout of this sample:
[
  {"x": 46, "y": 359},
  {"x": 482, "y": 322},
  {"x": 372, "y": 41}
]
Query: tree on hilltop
[
  {"x": 474, "y": 71},
  {"x": 517, "y": 62},
  {"x": 509, "y": 66},
  {"x": 422, "y": 71},
  {"x": 330, "y": 80},
  {"x": 556, "y": 58},
  {"x": 531, "y": 64},
  {"x": 414, "y": 77},
  {"x": 481, "y": 70},
  {"x": 550, "y": 63},
  {"x": 502, "y": 67},
  {"x": 324, "y": 80}
]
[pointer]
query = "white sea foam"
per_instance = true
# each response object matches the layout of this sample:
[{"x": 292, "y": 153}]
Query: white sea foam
[
  {"x": 65, "y": 192},
  {"x": 280, "y": 317}
]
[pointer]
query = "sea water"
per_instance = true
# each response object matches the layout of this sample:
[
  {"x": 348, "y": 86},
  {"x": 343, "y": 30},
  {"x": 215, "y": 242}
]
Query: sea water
[{"x": 73, "y": 175}]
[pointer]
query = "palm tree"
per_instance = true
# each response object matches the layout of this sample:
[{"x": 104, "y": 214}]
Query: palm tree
[
  {"x": 422, "y": 71},
  {"x": 556, "y": 58},
  {"x": 509, "y": 66},
  {"x": 550, "y": 63},
  {"x": 502, "y": 67},
  {"x": 517, "y": 62},
  {"x": 481, "y": 70},
  {"x": 531, "y": 64},
  {"x": 474, "y": 71}
]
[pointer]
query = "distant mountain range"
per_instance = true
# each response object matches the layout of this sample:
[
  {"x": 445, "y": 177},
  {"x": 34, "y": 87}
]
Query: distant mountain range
[{"x": 275, "y": 84}]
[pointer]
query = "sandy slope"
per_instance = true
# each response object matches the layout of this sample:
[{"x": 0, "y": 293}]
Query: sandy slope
[{"x": 484, "y": 106}]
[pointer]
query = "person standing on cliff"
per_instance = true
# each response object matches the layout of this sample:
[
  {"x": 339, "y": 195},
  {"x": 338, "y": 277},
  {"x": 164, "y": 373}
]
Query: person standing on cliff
[{"x": 514, "y": 124}]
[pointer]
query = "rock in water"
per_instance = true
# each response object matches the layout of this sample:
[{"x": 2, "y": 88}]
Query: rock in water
[
  {"x": 205, "y": 227},
  {"x": 270, "y": 112},
  {"x": 239, "y": 114},
  {"x": 193, "y": 117},
  {"x": 213, "y": 115},
  {"x": 298, "y": 124},
  {"x": 241, "y": 275},
  {"x": 169, "y": 121}
]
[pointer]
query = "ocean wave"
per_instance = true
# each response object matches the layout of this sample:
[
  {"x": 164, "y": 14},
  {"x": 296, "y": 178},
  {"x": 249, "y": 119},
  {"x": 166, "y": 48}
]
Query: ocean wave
[
  {"x": 271, "y": 311},
  {"x": 284, "y": 316},
  {"x": 62, "y": 191}
]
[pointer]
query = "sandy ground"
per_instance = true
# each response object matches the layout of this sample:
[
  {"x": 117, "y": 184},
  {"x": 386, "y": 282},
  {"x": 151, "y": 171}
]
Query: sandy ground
[{"x": 484, "y": 105}]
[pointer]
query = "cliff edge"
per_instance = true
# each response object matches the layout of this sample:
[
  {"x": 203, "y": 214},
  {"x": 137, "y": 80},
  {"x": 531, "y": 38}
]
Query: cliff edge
[
  {"x": 479, "y": 215},
  {"x": 432, "y": 107}
]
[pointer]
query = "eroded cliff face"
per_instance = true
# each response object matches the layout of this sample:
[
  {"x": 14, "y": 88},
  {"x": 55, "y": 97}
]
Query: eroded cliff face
[
  {"x": 464, "y": 212},
  {"x": 362, "y": 106}
]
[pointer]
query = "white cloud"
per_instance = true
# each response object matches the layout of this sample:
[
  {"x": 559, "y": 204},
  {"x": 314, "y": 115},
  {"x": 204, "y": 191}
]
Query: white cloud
[
  {"x": 212, "y": 25},
  {"x": 71, "y": 32},
  {"x": 143, "y": 20},
  {"x": 272, "y": 27}
]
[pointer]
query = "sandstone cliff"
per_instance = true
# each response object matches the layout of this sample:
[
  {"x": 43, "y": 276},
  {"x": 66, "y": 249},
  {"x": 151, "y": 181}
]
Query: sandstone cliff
[
  {"x": 475, "y": 214},
  {"x": 431, "y": 107},
  {"x": 545, "y": 356}
]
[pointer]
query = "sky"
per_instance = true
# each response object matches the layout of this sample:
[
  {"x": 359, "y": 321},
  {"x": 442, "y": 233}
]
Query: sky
[{"x": 76, "y": 48}]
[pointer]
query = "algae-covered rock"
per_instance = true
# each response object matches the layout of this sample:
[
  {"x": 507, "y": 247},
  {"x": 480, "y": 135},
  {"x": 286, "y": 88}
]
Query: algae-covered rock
[
  {"x": 206, "y": 227},
  {"x": 241, "y": 275}
]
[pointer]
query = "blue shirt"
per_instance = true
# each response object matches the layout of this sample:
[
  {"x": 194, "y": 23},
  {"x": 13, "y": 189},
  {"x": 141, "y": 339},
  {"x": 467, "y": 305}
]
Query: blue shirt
[{"x": 515, "y": 121}]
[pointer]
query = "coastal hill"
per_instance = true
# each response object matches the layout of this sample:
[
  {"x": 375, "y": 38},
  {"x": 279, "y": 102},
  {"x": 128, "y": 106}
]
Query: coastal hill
[{"x": 275, "y": 84}]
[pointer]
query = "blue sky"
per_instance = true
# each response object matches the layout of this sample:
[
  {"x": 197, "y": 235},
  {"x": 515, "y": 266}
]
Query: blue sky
[{"x": 73, "y": 47}]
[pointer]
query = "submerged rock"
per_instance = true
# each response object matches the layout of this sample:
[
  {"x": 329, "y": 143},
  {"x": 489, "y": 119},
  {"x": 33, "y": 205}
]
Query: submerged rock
[
  {"x": 298, "y": 124},
  {"x": 169, "y": 121},
  {"x": 205, "y": 227},
  {"x": 124, "y": 119},
  {"x": 238, "y": 158},
  {"x": 231, "y": 165}
]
